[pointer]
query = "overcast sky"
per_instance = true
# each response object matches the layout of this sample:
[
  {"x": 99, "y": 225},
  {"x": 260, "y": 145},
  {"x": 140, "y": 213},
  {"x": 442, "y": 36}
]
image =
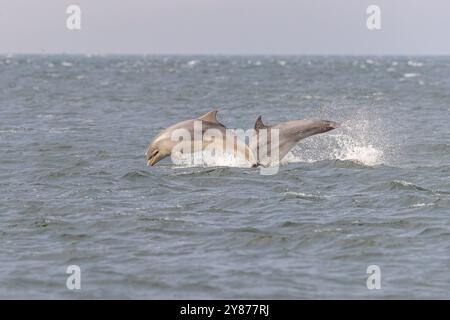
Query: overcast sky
[{"x": 226, "y": 27}]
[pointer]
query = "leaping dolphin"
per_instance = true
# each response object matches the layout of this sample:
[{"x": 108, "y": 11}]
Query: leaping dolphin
[
  {"x": 213, "y": 133},
  {"x": 289, "y": 133}
]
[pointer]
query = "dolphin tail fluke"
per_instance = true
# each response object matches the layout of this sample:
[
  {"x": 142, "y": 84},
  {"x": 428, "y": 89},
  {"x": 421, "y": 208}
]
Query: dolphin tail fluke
[{"x": 326, "y": 125}]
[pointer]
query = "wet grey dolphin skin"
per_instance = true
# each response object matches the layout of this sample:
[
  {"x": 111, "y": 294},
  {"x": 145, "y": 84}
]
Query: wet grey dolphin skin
[
  {"x": 162, "y": 145},
  {"x": 289, "y": 134}
]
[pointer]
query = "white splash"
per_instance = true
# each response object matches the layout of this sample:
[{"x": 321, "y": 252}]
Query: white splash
[
  {"x": 206, "y": 159},
  {"x": 358, "y": 140},
  {"x": 367, "y": 155}
]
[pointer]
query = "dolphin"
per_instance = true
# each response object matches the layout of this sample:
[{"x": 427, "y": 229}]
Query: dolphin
[
  {"x": 164, "y": 143},
  {"x": 289, "y": 134}
]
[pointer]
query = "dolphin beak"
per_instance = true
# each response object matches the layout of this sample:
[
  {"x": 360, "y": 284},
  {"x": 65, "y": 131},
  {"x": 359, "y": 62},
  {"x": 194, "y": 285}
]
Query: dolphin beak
[
  {"x": 151, "y": 162},
  {"x": 153, "y": 159}
]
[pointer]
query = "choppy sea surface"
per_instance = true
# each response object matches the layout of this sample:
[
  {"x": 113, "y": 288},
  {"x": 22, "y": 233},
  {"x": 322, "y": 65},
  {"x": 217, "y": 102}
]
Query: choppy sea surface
[{"x": 75, "y": 188}]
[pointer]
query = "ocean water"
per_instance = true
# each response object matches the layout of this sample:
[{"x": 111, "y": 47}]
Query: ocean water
[{"x": 75, "y": 188}]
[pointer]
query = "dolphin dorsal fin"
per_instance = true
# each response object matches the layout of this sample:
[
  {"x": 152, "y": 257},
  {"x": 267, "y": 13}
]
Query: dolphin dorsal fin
[
  {"x": 259, "y": 124},
  {"x": 210, "y": 116}
]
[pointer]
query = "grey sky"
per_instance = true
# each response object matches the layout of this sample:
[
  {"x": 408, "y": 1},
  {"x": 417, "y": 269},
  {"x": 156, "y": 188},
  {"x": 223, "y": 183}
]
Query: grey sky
[{"x": 226, "y": 27}]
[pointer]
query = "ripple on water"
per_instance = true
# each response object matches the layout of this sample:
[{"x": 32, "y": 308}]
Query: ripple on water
[
  {"x": 405, "y": 185},
  {"x": 134, "y": 175},
  {"x": 353, "y": 164},
  {"x": 304, "y": 196},
  {"x": 213, "y": 172}
]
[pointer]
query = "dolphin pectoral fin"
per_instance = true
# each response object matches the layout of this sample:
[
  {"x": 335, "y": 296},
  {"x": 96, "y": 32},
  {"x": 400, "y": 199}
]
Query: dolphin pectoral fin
[
  {"x": 232, "y": 146},
  {"x": 211, "y": 144},
  {"x": 239, "y": 149}
]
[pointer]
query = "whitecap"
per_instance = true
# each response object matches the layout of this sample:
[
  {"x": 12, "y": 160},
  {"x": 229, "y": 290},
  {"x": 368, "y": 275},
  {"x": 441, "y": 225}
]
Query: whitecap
[
  {"x": 411, "y": 75},
  {"x": 418, "y": 205},
  {"x": 415, "y": 64},
  {"x": 302, "y": 195},
  {"x": 192, "y": 63}
]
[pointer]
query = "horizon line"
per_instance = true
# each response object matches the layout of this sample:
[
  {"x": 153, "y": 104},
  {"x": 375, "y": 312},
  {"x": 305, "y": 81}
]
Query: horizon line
[{"x": 231, "y": 54}]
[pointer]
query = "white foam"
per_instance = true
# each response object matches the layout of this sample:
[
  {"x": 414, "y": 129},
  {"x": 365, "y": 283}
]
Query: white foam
[
  {"x": 415, "y": 64},
  {"x": 358, "y": 140},
  {"x": 421, "y": 204},
  {"x": 411, "y": 75},
  {"x": 367, "y": 155},
  {"x": 302, "y": 195},
  {"x": 206, "y": 159},
  {"x": 404, "y": 183},
  {"x": 192, "y": 63},
  {"x": 255, "y": 63}
]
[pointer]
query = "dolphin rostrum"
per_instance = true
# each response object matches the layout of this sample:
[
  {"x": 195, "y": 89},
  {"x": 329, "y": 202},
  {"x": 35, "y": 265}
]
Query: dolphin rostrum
[
  {"x": 198, "y": 134},
  {"x": 269, "y": 147}
]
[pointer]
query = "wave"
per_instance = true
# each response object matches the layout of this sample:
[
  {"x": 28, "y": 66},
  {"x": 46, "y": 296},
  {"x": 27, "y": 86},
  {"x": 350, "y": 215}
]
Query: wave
[
  {"x": 135, "y": 174},
  {"x": 303, "y": 196},
  {"x": 405, "y": 185}
]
